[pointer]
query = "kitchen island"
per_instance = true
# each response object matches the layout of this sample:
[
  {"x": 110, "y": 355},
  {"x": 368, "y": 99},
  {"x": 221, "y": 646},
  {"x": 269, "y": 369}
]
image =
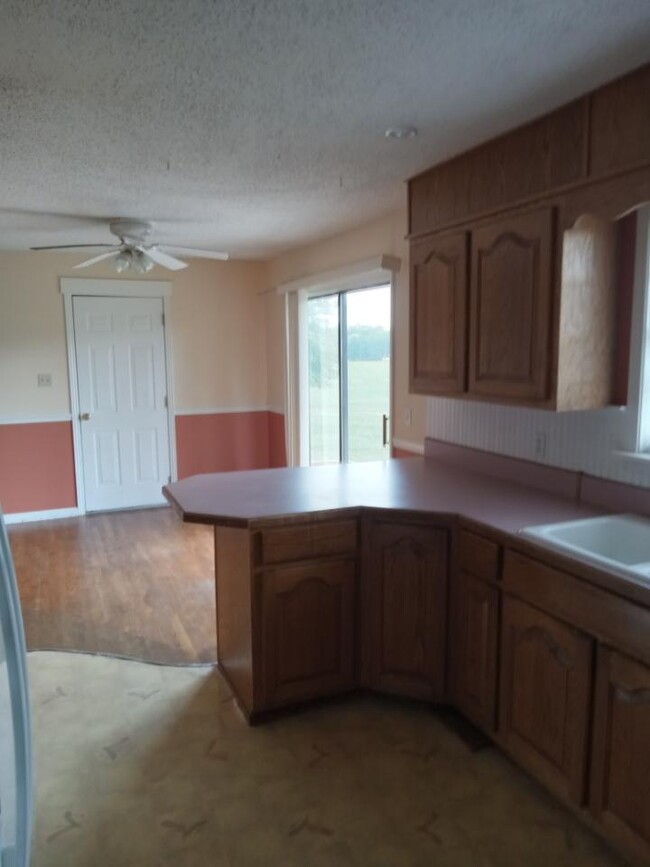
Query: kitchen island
[{"x": 409, "y": 577}]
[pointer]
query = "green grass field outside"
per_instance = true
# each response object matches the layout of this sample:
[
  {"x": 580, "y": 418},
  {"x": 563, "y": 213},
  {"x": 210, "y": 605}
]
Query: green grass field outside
[{"x": 368, "y": 384}]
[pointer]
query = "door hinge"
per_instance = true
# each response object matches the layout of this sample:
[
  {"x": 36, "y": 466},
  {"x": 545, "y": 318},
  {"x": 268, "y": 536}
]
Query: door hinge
[
  {"x": 169, "y": 480},
  {"x": 166, "y": 402},
  {"x": 163, "y": 320}
]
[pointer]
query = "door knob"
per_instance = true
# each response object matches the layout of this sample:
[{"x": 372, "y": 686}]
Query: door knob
[{"x": 85, "y": 416}]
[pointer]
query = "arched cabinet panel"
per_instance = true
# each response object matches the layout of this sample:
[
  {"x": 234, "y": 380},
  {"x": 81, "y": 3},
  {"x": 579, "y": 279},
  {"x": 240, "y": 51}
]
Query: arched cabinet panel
[
  {"x": 620, "y": 777},
  {"x": 438, "y": 347},
  {"x": 308, "y": 614},
  {"x": 511, "y": 307},
  {"x": 546, "y": 671}
]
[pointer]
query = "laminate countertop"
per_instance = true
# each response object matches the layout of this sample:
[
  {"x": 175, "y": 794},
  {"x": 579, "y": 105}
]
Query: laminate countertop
[
  {"x": 412, "y": 484},
  {"x": 419, "y": 485}
]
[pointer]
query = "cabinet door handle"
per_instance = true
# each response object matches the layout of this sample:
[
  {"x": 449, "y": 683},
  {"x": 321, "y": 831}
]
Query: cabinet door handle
[{"x": 384, "y": 430}]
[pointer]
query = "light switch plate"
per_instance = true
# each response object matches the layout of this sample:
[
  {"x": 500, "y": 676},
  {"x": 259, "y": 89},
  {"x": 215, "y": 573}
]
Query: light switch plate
[{"x": 44, "y": 380}]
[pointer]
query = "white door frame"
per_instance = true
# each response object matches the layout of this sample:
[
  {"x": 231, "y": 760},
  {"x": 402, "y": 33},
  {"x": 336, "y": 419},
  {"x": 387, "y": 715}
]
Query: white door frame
[
  {"x": 75, "y": 286},
  {"x": 377, "y": 271}
]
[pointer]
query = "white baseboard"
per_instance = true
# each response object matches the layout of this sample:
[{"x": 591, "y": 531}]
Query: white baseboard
[
  {"x": 405, "y": 445},
  {"x": 47, "y": 515}
]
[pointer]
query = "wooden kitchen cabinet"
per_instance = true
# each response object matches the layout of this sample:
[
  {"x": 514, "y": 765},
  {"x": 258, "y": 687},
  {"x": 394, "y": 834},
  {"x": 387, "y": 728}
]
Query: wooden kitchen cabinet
[
  {"x": 407, "y": 587},
  {"x": 511, "y": 307},
  {"x": 620, "y": 768},
  {"x": 439, "y": 281},
  {"x": 539, "y": 206},
  {"x": 546, "y": 670},
  {"x": 620, "y": 123},
  {"x": 473, "y": 648},
  {"x": 308, "y": 627}
]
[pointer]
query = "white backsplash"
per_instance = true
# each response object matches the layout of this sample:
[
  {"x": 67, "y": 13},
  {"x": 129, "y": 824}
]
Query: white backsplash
[{"x": 583, "y": 441}]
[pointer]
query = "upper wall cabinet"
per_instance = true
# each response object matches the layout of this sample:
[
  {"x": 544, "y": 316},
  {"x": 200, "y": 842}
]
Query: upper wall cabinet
[
  {"x": 620, "y": 124},
  {"x": 438, "y": 306},
  {"x": 510, "y": 309},
  {"x": 537, "y": 207},
  {"x": 540, "y": 156},
  {"x": 605, "y": 132}
]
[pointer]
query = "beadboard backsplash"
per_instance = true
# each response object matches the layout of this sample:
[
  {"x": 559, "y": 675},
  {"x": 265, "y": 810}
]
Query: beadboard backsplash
[{"x": 583, "y": 441}]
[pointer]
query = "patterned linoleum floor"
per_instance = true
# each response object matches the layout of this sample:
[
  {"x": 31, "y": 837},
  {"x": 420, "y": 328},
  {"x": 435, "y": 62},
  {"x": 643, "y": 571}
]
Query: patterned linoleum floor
[{"x": 140, "y": 765}]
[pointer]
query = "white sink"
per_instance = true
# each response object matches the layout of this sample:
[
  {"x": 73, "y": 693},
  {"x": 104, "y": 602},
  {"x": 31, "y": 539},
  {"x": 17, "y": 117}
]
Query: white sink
[{"x": 617, "y": 542}]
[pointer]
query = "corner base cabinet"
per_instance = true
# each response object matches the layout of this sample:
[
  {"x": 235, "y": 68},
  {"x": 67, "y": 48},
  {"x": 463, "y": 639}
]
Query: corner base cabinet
[
  {"x": 407, "y": 578},
  {"x": 473, "y": 648},
  {"x": 548, "y": 658}
]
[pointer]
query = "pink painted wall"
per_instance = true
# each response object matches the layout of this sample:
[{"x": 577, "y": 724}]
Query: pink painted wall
[
  {"x": 37, "y": 460},
  {"x": 219, "y": 442},
  {"x": 277, "y": 441},
  {"x": 36, "y": 467},
  {"x": 402, "y": 453}
]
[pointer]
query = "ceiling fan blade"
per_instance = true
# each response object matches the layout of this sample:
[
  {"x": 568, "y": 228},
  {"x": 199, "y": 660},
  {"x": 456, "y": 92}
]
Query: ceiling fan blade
[
  {"x": 163, "y": 259},
  {"x": 72, "y": 247},
  {"x": 113, "y": 252},
  {"x": 194, "y": 251}
]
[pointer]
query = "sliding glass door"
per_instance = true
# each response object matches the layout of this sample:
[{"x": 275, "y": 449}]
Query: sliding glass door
[{"x": 349, "y": 375}]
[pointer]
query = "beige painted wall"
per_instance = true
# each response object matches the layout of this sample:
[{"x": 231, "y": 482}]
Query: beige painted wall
[
  {"x": 275, "y": 322},
  {"x": 227, "y": 327},
  {"x": 218, "y": 333},
  {"x": 385, "y": 235}
]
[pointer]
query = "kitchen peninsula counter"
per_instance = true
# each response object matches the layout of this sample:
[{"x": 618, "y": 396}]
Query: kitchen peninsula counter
[
  {"x": 410, "y": 577},
  {"x": 240, "y": 499}
]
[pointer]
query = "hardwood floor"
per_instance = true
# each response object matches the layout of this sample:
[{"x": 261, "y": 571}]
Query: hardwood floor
[{"x": 137, "y": 584}]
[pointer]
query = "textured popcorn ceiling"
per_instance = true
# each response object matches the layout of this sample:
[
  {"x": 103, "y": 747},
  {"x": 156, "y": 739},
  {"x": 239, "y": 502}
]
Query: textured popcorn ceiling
[{"x": 255, "y": 126}]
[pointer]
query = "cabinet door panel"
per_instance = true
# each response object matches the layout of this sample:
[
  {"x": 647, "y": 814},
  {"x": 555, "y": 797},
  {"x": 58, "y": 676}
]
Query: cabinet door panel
[
  {"x": 545, "y": 696},
  {"x": 620, "y": 779},
  {"x": 308, "y": 631},
  {"x": 511, "y": 307},
  {"x": 473, "y": 648},
  {"x": 408, "y": 598},
  {"x": 438, "y": 315}
]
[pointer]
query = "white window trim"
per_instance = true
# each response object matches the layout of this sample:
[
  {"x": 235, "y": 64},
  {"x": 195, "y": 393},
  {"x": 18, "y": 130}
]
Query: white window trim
[
  {"x": 364, "y": 274},
  {"x": 71, "y": 286}
]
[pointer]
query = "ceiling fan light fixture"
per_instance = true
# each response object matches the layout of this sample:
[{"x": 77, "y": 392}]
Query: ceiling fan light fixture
[
  {"x": 140, "y": 262},
  {"x": 124, "y": 261}
]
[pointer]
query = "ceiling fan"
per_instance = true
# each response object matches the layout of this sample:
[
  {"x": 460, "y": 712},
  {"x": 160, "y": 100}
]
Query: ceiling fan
[{"x": 135, "y": 251}]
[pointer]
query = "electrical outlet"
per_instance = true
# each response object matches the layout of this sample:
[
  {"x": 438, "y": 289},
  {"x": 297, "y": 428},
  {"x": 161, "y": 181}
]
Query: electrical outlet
[
  {"x": 408, "y": 416},
  {"x": 44, "y": 380},
  {"x": 540, "y": 444}
]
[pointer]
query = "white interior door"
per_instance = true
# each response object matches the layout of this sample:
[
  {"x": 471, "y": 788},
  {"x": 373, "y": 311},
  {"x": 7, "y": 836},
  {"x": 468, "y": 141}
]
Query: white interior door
[{"x": 122, "y": 381}]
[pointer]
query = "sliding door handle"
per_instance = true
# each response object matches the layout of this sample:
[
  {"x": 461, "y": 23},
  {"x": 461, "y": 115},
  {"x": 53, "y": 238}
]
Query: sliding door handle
[{"x": 384, "y": 429}]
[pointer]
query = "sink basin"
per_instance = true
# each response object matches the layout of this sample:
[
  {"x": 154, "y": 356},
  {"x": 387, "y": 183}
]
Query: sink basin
[{"x": 620, "y": 543}]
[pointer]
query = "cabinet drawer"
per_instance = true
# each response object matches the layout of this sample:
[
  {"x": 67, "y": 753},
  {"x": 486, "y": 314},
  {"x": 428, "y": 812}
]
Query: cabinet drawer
[
  {"x": 308, "y": 541},
  {"x": 478, "y": 556},
  {"x": 602, "y": 614}
]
